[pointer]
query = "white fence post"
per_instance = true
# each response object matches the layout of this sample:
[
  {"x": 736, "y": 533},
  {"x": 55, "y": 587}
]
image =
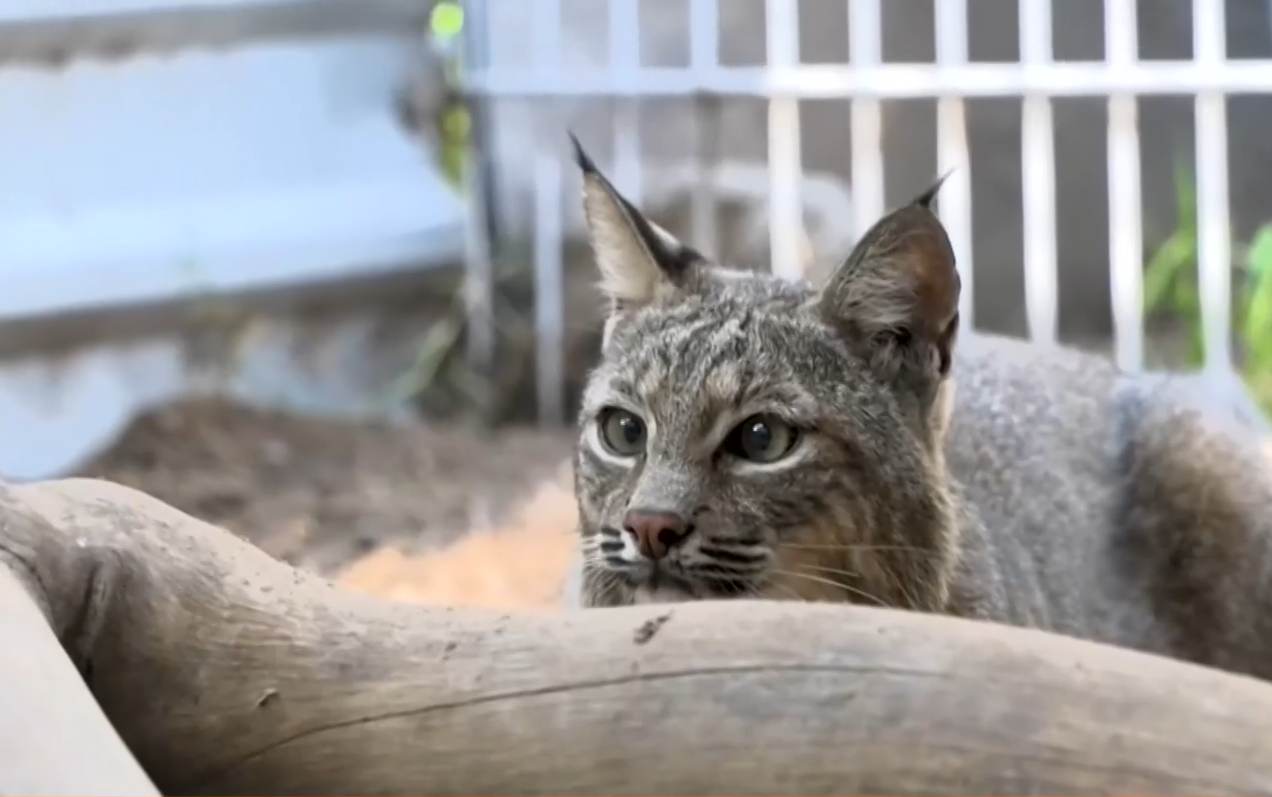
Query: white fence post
[
  {"x": 624, "y": 43},
  {"x": 952, "y": 157},
  {"x": 1126, "y": 241},
  {"x": 786, "y": 222},
  {"x": 704, "y": 56},
  {"x": 1038, "y": 174},
  {"x": 1214, "y": 247},
  {"x": 865, "y": 29}
]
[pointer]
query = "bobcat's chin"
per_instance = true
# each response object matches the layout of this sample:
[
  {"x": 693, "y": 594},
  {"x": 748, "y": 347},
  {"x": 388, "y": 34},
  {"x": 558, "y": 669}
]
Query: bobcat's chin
[
  {"x": 660, "y": 582},
  {"x": 669, "y": 582}
]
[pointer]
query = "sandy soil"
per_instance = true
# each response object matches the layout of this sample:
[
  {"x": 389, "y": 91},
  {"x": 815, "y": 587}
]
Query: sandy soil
[
  {"x": 518, "y": 564},
  {"x": 322, "y": 494}
]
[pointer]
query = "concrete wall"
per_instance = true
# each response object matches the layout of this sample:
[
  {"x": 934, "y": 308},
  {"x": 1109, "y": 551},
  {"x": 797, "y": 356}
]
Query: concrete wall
[{"x": 161, "y": 163}]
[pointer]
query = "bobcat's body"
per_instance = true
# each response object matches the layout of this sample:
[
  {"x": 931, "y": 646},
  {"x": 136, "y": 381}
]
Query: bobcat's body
[
  {"x": 1111, "y": 507},
  {"x": 749, "y": 436}
]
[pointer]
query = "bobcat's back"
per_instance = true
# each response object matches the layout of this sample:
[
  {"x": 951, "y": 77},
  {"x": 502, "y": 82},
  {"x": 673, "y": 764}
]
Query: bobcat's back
[{"x": 1091, "y": 490}]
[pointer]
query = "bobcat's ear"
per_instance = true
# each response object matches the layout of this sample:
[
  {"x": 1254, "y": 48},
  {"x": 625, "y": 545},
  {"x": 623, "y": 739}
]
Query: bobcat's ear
[
  {"x": 638, "y": 260},
  {"x": 897, "y": 293}
]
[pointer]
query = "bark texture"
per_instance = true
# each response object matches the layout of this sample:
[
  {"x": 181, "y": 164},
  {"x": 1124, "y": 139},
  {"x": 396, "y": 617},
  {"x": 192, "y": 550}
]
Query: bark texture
[{"x": 227, "y": 672}]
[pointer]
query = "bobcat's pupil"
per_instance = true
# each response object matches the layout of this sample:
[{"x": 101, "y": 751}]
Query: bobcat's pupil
[
  {"x": 758, "y": 437},
  {"x": 630, "y": 431}
]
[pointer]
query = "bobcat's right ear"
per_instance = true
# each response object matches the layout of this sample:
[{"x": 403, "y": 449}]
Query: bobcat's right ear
[
  {"x": 897, "y": 293},
  {"x": 638, "y": 260}
]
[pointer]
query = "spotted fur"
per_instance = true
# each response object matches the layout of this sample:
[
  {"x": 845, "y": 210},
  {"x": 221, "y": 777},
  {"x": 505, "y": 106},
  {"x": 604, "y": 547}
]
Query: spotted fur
[{"x": 1048, "y": 490}]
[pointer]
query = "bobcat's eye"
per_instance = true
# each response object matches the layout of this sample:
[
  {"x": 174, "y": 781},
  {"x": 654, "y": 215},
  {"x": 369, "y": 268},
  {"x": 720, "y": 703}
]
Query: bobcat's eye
[
  {"x": 622, "y": 432},
  {"x": 762, "y": 438}
]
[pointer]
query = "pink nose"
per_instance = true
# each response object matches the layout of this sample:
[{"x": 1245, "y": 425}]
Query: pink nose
[{"x": 656, "y": 533}]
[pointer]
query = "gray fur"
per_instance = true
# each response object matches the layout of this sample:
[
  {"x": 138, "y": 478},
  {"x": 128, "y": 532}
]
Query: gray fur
[{"x": 1014, "y": 483}]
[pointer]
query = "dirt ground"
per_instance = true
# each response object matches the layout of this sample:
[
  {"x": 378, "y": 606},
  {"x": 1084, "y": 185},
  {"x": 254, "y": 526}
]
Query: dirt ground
[{"x": 322, "y": 494}]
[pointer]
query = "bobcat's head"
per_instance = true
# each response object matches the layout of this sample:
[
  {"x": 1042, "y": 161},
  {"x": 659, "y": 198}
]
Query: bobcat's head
[{"x": 745, "y": 435}]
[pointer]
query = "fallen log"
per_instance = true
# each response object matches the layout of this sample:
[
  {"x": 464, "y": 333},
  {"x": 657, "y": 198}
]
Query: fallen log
[{"x": 227, "y": 672}]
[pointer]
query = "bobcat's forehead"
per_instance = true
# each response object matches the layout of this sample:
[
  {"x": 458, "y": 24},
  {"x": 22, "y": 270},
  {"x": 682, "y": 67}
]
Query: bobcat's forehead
[{"x": 744, "y": 342}]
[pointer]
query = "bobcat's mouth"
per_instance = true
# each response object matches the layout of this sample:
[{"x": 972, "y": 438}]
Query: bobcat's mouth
[{"x": 664, "y": 578}]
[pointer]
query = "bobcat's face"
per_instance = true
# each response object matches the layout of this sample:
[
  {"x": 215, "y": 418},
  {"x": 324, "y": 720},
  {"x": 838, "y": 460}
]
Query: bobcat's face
[
  {"x": 744, "y": 437},
  {"x": 743, "y": 427}
]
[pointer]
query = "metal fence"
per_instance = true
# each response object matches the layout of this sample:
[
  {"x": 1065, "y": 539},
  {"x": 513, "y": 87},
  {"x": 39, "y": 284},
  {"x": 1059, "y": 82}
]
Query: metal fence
[{"x": 866, "y": 81}]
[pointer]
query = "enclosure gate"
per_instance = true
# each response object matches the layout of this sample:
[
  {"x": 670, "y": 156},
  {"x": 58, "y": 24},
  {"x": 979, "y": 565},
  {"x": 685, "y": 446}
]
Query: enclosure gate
[{"x": 866, "y": 81}]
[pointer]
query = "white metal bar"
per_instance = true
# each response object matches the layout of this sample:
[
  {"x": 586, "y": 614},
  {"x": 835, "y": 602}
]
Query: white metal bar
[
  {"x": 892, "y": 81},
  {"x": 785, "y": 165},
  {"x": 549, "y": 287},
  {"x": 704, "y": 56},
  {"x": 547, "y": 41},
  {"x": 1214, "y": 247},
  {"x": 704, "y": 35},
  {"x": 1126, "y": 239},
  {"x": 865, "y": 31},
  {"x": 1039, "y": 178},
  {"x": 624, "y": 43},
  {"x": 953, "y": 160},
  {"x": 703, "y": 210}
]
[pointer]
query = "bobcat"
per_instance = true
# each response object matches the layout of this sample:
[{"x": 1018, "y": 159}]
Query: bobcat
[{"x": 749, "y": 436}]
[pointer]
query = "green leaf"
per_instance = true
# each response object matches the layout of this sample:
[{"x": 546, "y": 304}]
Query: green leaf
[
  {"x": 1259, "y": 255},
  {"x": 1196, "y": 355},
  {"x": 1188, "y": 301},
  {"x": 1256, "y": 331},
  {"x": 446, "y": 20},
  {"x": 1167, "y": 267},
  {"x": 1261, "y": 388}
]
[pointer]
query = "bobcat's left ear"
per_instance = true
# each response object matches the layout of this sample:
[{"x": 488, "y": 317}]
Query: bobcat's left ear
[
  {"x": 897, "y": 293},
  {"x": 638, "y": 260}
]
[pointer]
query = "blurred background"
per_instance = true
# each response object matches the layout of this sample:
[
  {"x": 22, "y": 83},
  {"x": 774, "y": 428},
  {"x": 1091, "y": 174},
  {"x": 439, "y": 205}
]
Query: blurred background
[{"x": 313, "y": 270}]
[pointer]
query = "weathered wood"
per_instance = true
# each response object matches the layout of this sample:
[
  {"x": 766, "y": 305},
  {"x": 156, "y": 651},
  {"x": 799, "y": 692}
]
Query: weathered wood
[
  {"x": 229, "y": 673},
  {"x": 53, "y": 737}
]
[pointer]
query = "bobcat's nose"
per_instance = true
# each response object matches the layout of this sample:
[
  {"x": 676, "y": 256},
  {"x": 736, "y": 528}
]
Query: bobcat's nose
[{"x": 656, "y": 533}]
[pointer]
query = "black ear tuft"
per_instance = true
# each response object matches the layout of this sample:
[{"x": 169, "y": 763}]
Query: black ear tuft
[
  {"x": 584, "y": 161},
  {"x": 924, "y": 200},
  {"x": 637, "y": 259}
]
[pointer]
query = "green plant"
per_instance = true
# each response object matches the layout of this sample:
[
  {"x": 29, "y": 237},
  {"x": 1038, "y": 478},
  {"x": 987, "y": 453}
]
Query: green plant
[
  {"x": 440, "y": 379},
  {"x": 1170, "y": 276},
  {"x": 439, "y": 366},
  {"x": 1256, "y": 328},
  {"x": 1171, "y": 291},
  {"x": 454, "y": 122}
]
